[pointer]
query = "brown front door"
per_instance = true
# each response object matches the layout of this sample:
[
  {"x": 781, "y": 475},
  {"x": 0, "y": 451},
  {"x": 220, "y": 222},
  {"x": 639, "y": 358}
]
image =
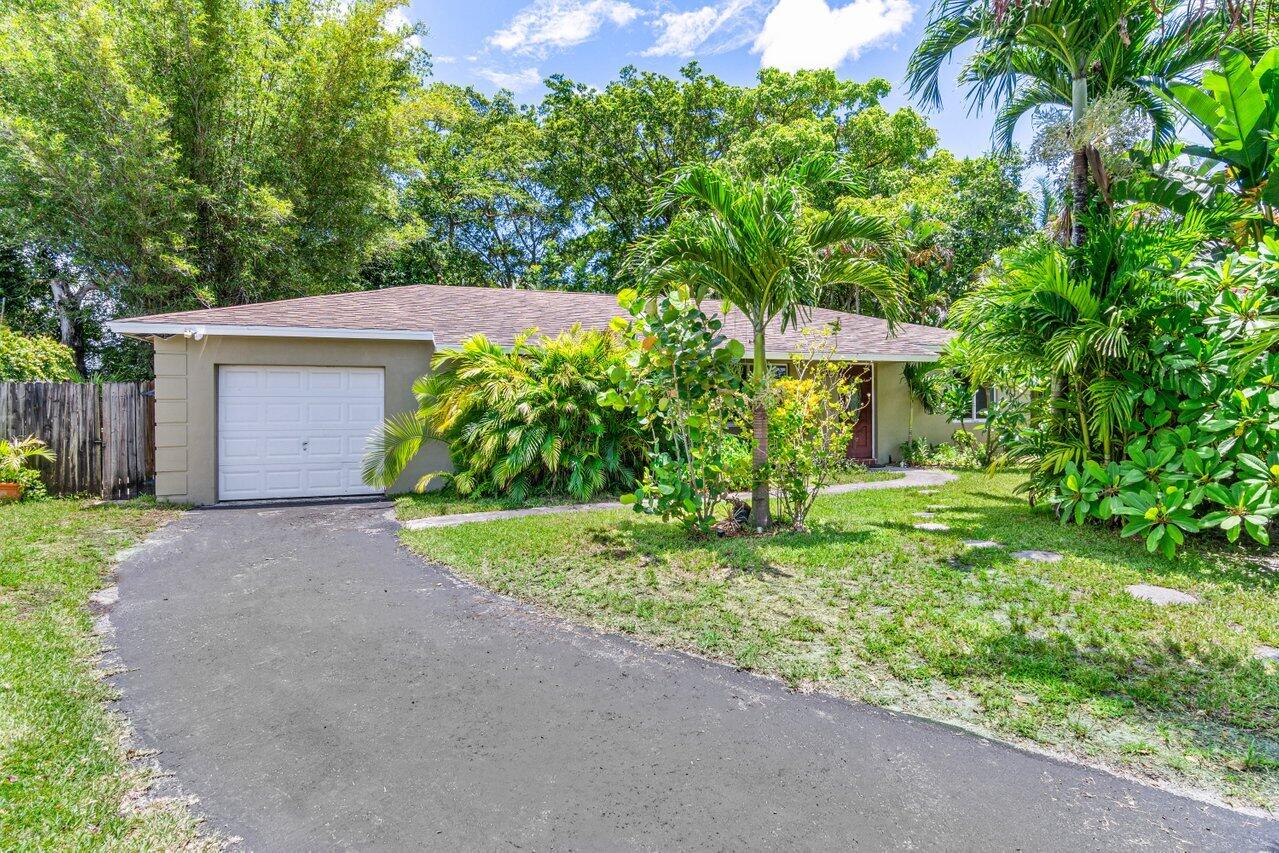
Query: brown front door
[{"x": 862, "y": 447}]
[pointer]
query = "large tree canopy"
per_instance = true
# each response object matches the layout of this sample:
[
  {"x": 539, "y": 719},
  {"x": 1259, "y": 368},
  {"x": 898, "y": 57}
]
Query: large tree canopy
[{"x": 172, "y": 153}]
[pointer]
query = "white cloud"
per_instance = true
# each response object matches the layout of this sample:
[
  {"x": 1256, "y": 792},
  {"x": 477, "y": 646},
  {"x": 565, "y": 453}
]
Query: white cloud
[
  {"x": 810, "y": 34},
  {"x": 712, "y": 29},
  {"x": 517, "y": 81},
  {"x": 550, "y": 24},
  {"x": 396, "y": 20}
]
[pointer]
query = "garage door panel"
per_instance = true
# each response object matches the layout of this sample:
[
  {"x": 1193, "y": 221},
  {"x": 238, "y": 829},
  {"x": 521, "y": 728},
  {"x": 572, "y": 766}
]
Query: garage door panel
[
  {"x": 236, "y": 379},
  {"x": 366, "y": 384},
  {"x": 325, "y": 414},
  {"x": 283, "y": 381},
  {"x": 281, "y": 414},
  {"x": 295, "y": 432}
]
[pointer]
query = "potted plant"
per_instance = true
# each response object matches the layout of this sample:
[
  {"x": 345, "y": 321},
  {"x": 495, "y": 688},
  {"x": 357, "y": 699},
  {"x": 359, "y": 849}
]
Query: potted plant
[{"x": 16, "y": 472}]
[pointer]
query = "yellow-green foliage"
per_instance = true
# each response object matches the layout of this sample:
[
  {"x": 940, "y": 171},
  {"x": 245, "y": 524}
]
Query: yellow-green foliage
[{"x": 25, "y": 358}]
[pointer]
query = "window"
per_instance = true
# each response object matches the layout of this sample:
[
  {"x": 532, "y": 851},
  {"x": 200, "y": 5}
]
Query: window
[{"x": 982, "y": 400}]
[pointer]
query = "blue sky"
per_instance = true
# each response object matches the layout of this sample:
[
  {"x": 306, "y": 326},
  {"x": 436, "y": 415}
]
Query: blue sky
[{"x": 517, "y": 43}]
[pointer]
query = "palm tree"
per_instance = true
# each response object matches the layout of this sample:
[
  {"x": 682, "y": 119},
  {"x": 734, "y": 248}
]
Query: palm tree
[
  {"x": 1062, "y": 55},
  {"x": 1084, "y": 315},
  {"x": 759, "y": 247}
]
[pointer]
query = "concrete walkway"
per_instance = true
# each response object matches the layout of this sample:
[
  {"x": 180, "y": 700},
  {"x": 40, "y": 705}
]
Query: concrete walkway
[
  {"x": 315, "y": 685},
  {"x": 911, "y": 478}
]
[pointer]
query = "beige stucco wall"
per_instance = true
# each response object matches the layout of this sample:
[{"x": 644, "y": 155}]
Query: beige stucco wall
[
  {"x": 186, "y": 399},
  {"x": 892, "y": 415}
]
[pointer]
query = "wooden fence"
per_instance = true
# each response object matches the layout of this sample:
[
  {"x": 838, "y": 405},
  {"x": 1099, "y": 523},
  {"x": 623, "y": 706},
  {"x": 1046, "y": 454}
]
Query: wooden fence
[{"x": 103, "y": 434}]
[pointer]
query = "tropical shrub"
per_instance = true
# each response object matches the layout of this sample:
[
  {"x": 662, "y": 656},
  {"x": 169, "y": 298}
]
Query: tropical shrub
[
  {"x": 1202, "y": 439},
  {"x": 811, "y": 421},
  {"x": 1237, "y": 109},
  {"x": 518, "y": 422},
  {"x": 682, "y": 379},
  {"x": 16, "y": 458},
  {"x": 34, "y": 359}
]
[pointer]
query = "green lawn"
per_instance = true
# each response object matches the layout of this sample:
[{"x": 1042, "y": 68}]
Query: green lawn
[
  {"x": 868, "y": 607},
  {"x": 64, "y": 775},
  {"x": 448, "y": 502}
]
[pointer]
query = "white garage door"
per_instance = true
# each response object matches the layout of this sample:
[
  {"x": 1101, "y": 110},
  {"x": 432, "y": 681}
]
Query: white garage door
[{"x": 292, "y": 432}]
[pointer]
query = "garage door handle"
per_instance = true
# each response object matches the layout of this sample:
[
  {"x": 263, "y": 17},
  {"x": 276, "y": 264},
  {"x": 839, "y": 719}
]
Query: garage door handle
[{"x": 306, "y": 444}]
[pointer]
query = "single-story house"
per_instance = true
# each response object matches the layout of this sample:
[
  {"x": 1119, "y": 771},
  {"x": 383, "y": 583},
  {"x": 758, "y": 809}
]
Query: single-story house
[{"x": 276, "y": 399}]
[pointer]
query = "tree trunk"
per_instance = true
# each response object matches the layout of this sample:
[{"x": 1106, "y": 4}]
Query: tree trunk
[
  {"x": 1079, "y": 164},
  {"x": 761, "y": 517},
  {"x": 66, "y": 303}
]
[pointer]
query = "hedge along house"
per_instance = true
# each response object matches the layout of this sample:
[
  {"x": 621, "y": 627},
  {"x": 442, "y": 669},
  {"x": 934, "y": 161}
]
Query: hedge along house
[{"x": 276, "y": 399}]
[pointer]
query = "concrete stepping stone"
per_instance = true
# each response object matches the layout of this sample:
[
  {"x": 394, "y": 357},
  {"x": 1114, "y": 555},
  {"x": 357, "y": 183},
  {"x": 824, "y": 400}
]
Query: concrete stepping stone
[
  {"x": 932, "y": 527},
  {"x": 923, "y": 515},
  {"x": 982, "y": 543},
  {"x": 1266, "y": 653},
  {"x": 1038, "y": 556},
  {"x": 1161, "y": 595},
  {"x": 928, "y": 491},
  {"x": 938, "y": 507}
]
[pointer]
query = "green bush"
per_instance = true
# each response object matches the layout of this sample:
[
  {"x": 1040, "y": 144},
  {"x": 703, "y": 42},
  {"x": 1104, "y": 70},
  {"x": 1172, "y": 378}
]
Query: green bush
[
  {"x": 1203, "y": 418},
  {"x": 16, "y": 457},
  {"x": 30, "y": 359},
  {"x": 518, "y": 422},
  {"x": 30, "y": 486},
  {"x": 682, "y": 379}
]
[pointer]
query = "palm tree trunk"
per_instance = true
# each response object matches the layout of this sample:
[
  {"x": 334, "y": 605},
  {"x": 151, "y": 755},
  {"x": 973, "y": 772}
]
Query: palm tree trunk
[
  {"x": 761, "y": 518},
  {"x": 1079, "y": 165}
]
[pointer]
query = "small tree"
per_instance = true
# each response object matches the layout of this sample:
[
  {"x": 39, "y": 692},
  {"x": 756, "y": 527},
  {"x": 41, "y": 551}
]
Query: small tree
[{"x": 683, "y": 379}]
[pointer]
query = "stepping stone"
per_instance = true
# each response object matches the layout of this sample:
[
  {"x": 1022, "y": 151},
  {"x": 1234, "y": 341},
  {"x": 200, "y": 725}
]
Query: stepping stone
[
  {"x": 937, "y": 507},
  {"x": 1266, "y": 653},
  {"x": 982, "y": 543},
  {"x": 1038, "y": 556},
  {"x": 928, "y": 491},
  {"x": 923, "y": 515},
  {"x": 1160, "y": 595},
  {"x": 932, "y": 527}
]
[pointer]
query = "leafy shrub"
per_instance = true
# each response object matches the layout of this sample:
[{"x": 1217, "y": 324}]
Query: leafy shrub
[
  {"x": 34, "y": 359},
  {"x": 811, "y": 421},
  {"x": 963, "y": 451},
  {"x": 1203, "y": 424},
  {"x": 16, "y": 456},
  {"x": 682, "y": 378},
  {"x": 518, "y": 422}
]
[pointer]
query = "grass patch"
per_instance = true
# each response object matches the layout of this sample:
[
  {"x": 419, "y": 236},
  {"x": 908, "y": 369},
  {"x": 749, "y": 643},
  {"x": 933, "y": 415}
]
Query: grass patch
[
  {"x": 447, "y": 502},
  {"x": 868, "y": 607},
  {"x": 64, "y": 775}
]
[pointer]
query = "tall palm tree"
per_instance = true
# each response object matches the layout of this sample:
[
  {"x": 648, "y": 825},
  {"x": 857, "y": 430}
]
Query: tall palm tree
[
  {"x": 759, "y": 247},
  {"x": 1064, "y": 54}
]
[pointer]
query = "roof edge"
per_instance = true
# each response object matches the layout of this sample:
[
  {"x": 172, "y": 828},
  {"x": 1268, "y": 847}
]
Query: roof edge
[{"x": 200, "y": 330}]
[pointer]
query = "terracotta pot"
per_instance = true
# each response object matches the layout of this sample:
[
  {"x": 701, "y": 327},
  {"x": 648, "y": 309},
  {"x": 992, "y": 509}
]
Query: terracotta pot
[{"x": 9, "y": 492}]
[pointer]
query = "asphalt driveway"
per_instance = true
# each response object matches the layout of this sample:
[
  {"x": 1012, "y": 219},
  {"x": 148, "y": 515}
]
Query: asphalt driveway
[{"x": 315, "y": 685}]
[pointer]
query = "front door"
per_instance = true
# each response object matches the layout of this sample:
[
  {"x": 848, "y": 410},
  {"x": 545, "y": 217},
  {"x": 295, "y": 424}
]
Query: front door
[{"x": 862, "y": 447}]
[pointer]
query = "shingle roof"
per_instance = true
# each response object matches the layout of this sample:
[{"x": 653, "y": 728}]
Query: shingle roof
[{"x": 452, "y": 314}]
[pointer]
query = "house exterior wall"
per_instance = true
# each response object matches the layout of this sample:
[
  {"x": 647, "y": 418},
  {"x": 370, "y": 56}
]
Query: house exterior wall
[
  {"x": 186, "y": 399},
  {"x": 893, "y": 406}
]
